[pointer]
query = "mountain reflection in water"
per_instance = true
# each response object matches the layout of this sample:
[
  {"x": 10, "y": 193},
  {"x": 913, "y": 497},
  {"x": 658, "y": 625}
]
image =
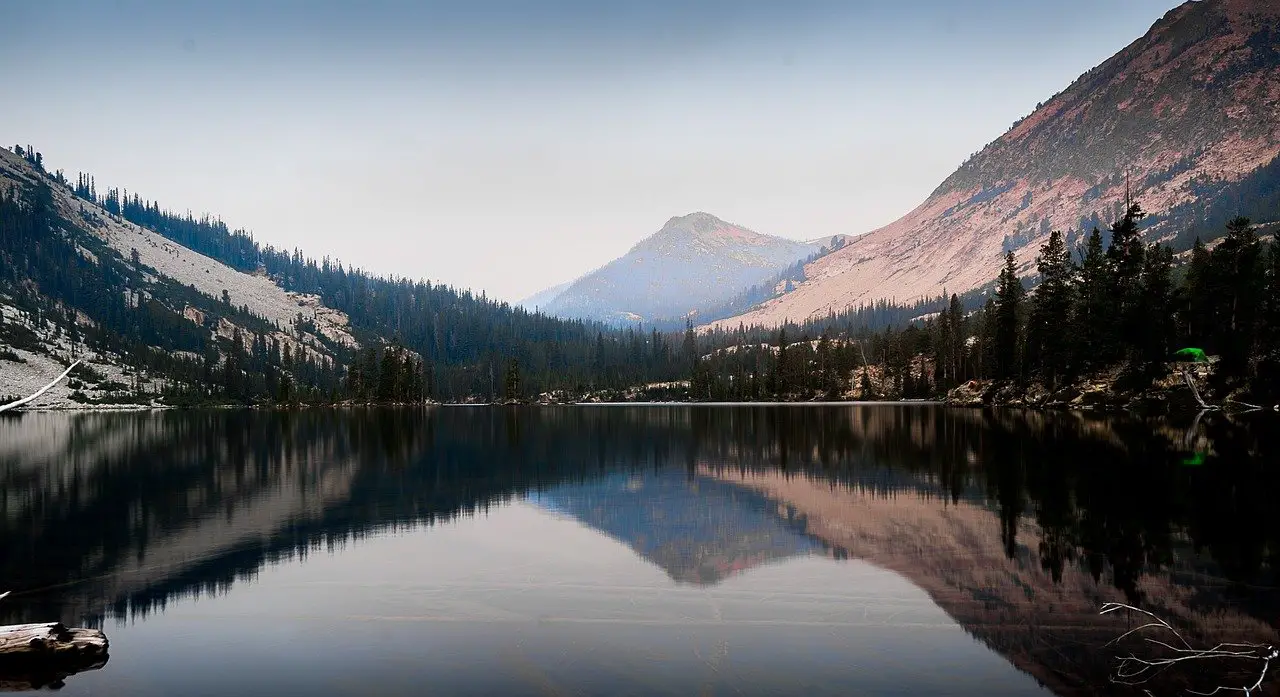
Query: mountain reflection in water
[{"x": 1017, "y": 525}]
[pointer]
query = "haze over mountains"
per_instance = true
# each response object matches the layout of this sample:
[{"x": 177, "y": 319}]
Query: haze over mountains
[
  {"x": 1188, "y": 115},
  {"x": 1186, "y": 118},
  {"x": 694, "y": 261}
]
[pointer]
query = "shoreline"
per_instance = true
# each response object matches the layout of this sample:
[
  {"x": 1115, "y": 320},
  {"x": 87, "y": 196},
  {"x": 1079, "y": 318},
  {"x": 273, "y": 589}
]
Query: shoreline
[{"x": 953, "y": 404}]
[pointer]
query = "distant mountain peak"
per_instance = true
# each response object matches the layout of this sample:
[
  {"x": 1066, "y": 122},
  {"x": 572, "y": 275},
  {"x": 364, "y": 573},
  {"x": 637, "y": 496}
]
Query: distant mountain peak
[
  {"x": 693, "y": 219},
  {"x": 695, "y": 260},
  {"x": 705, "y": 226}
]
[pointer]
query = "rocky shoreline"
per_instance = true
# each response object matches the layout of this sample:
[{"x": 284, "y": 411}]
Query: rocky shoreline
[{"x": 1168, "y": 393}]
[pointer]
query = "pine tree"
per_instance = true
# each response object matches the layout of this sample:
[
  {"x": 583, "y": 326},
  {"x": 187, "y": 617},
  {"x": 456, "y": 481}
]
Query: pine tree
[
  {"x": 511, "y": 385},
  {"x": 780, "y": 385},
  {"x": 828, "y": 376},
  {"x": 1237, "y": 260},
  {"x": 1125, "y": 257},
  {"x": 986, "y": 322},
  {"x": 1156, "y": 321},
  {"x": 865, "y": 391},
  {"x": 1271, "y": 301},
  {"x": 944, "y": 347},
  {"x": 1049, "y": 348},
  {"x": 690, "y": 346},
  {"x": 1201, "y": 296},
  {"x": 1269, "y": 361},
  {"x": 368, "y": 386},
  {"x": 1093, "y": 318},
  {"x": 389, "y": 376},
  {"x": 956, "y": 321},
  {"x": 1008, "y": 309}
]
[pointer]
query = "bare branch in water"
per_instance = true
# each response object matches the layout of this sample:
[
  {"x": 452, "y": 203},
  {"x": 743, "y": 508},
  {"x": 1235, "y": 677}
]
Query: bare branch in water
[{"x": 1134, "y": 670}]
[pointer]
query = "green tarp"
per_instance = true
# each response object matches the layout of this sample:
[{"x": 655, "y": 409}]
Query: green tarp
[{"x": 1191, "y": 354}]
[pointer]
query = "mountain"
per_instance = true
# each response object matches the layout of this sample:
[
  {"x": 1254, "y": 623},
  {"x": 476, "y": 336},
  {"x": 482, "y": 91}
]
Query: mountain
[
  {"x": 694, "y": 261},
  {"x": 1187, "y": 117},
  {"x": 171, "y": 309},
  {"x": 78, "y": 281},
  {"x": 698, "y": 531},
  {"x": 543, "y": 297}
]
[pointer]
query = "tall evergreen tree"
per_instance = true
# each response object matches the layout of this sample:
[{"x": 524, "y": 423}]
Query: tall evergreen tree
[
  {"x": 780, "y": 386},
  {"x": 389, "y": 376},
  {"x": 511, "y": 385},
  {"x": 1238, "y": 261},
  {"x": 1200, "y": 297},
  {"x": 1008, "y": 310},
  {"x": 1092, "y": 321},
  {"x": 1269, "y": 363},
  {"x": 958, "y": 333},
  {"x": 1271, "y": 300},
  {"x": 1125, "y": 263},
  {"x": 1155, "y": 324},
  {"x": 1049, "y": 339},
  {"x": 987, "y": 321}
]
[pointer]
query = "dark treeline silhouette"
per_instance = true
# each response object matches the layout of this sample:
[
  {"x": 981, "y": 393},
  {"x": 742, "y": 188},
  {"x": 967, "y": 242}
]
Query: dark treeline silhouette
[
  {"x": 1113, "y": 302},
  {"x": 1122, "y": 305}
]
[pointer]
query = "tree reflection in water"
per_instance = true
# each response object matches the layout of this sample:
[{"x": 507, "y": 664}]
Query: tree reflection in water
[{"x": 113, "y": 514}]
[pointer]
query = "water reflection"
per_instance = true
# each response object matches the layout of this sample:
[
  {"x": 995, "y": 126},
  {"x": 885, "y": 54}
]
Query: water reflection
[
  {"x": 697, "y": 529},
  {"x": 1017, "y": 525}
]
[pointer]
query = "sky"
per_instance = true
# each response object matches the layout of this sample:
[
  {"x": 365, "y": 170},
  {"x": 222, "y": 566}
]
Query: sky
[{"x": 510, "y": 145}]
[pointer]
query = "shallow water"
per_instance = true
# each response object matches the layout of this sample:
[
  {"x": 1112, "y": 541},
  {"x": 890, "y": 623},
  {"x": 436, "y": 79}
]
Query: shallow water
[{"x": 873, "y": 549}]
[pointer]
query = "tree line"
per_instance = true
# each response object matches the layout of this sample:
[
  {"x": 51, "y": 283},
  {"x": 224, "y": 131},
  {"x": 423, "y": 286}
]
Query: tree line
[
  {"x": 1109, "y": 300},
  {"x": 1114, "y": 303}
]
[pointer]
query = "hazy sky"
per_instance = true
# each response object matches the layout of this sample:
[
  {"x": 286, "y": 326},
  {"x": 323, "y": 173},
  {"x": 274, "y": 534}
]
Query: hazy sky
[{"x": 510, "y": 145}]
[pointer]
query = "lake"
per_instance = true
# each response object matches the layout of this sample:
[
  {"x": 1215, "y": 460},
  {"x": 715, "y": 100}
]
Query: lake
[{"x": 639, "y": 550}]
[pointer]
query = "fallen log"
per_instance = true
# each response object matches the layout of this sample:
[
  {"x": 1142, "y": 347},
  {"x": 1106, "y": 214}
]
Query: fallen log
[
  {"x": 49, "y": 640},
  {"x": 33, "y": 656},
  {"x": 42, "y": 390}
]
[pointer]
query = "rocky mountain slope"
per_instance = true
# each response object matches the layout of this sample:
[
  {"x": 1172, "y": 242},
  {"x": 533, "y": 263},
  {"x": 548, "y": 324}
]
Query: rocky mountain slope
[
  {"x": 694, "y": 261},
  {"x": 185, "y": 288},
  {"x": 1188, "y": 116}
]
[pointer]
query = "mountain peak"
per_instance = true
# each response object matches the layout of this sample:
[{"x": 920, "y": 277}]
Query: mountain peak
[
  {"x": 1186, "y": 117},
  {"x": 700, "y": 223},
  {"x": 694, "y": 218},
  {"x": 694, "y": 261}
]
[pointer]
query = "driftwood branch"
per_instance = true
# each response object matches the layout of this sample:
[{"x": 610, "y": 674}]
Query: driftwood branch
[
  {"x": 42, "y": 390},
  {"x": 1251, "y": 407},
  {"x": 1176, "y": 652},
  {"x": 1195, "y": 391}
]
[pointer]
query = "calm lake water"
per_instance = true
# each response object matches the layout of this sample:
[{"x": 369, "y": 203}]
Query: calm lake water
[{"x": 649, "y": 550}]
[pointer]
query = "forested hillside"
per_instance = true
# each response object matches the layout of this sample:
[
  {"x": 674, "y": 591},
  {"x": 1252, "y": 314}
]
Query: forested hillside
[
  {"x": 409, "y": 340},
  {"x": 1109, "y": 304},
  {"x": 1114, "y": 310}
]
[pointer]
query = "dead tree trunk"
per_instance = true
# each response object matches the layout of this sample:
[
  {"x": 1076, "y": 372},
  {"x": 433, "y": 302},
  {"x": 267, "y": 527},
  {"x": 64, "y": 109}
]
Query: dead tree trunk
[
  {"x": 49, "y": 640},
  {"x": 33, "y": 656}
]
